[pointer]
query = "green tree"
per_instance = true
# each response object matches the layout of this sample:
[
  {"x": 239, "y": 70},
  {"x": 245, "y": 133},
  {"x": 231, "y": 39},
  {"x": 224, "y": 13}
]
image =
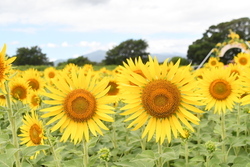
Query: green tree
[
  {"x": 31, "y": 56},
  {"x": 183, "y": 61},
  {"x": 79, "y": 61},
  {"x": 199, "y": 49},
  {"x": 127, "y": 49}
]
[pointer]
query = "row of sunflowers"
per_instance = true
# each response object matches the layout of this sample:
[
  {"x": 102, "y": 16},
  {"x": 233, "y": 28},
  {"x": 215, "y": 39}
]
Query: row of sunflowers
[{"x": 139, "y": 114}]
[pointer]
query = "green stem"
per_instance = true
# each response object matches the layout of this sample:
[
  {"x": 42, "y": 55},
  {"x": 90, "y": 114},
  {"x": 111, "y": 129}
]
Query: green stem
[
  {"x": 85, "y": 153},
  {"x": 198, "y": 132},
  {"x": 186, "y": 153},
  {"x": 106, "y": 164},
  {"x": 56, "y": 159},
  {"x": 160, "y": 163},
  {"x": 238, "y": 120},
  {"x": 12, "y": 120},
  {"x": 223, "y": 136},
  {"x": 143, "y": 143},
  {"x": 207, "y": 160},
  {"x": 113, "y": 136}
]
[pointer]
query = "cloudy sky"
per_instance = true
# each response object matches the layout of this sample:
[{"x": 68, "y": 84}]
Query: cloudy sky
[{"x": 70, "y": 28}]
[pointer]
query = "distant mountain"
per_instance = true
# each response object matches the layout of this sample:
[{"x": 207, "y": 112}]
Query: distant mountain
[
  {"x": 99, "y": 55},
  {"x": 163, "y": 56},
  {"x": 96, "y": 56},
  {"x": 56, "y": 62}
]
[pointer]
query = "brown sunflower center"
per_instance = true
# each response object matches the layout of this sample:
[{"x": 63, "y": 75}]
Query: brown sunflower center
[
  {"x": 80, "y": 105},
  {"x": 51, "y": 74},
  {"x": 220, "y": 89},
  {"x": 160, "y": 98},
  {"x": 35, "y": 100},
  {"x": 2, "y": 97},
  {"x": 2, "y": 70},
  {"x": 243, "y": 61},
  {"x": 113, "y": 88},
  {"x": 34, "y": 84},
  {"x": 35, "y": 132},
  {"x": 213, "y": 63},
  {"x": 19, "y": 92}
]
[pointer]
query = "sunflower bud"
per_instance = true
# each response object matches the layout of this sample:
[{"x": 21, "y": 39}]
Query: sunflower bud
[
  {"x": 187, "y": 134},
  {"x": 104, "y": 154},
  {"x": 210, "y": 146}
]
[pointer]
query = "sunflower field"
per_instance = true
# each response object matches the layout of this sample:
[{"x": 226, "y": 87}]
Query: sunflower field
[{"x": 138, "y": 115}]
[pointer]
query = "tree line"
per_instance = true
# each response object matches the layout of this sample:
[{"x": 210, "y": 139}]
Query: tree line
[{"x": 131, "y": 48}]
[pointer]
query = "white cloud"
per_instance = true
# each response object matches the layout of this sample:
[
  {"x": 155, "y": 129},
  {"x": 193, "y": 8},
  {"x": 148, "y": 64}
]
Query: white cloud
[
  {"x": 150, "y": 16},
  {"x": 75, "y": 55},
  {"x": 65, "y": 44},
  {"x": 14, "y": 43},
  {"x": 168, "y": 45},
  {"x": 51, "y": 45},
  {"x": 93, "y": 46}
]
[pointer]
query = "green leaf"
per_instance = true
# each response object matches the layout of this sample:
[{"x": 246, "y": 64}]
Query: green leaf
[
  {"x": 238, "y": 141},
  {"x": 6, "y": 161},
  {"x": 149, "y": 154},
  {"x": 4, "y": 138},
  {"x": 241, "y": 161},
  {"x": 74, "y": 162},
  {"x": 31, "y": 150},
  {"x": 124, "y": 164},
  {"x": 198, "y": 158},
  {"x": 169, "y": 154},
  {"x": 143, "y": 163},
  {"x": 10, "y": 150}
]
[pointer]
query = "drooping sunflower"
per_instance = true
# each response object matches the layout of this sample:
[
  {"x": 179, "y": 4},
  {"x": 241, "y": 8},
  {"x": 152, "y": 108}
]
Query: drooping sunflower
[
  {"x": 79, "y": 104},
  {"x": 32, "y": 131},
  {"x": 5, "y": 64},
  {"x": 35, "y": 81},
  {"x": 242, "y": 59},
  {"x": 160, "y": 98},
  {"x": 220, "y": 89},
  {"x": 19, "y": 89}
]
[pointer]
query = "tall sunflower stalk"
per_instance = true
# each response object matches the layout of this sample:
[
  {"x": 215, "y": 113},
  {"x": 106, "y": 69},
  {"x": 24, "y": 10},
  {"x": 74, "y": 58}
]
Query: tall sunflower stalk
[
  {"x": 12, "y": 120},
  {"x": 85, "y": 153},
  {"x": 5, "y": 66},
  {"x": 223, "y": 136}
]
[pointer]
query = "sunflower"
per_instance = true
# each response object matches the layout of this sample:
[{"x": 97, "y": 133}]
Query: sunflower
[
  {"x": 5, "y": 64},
  {"x": 2, "y": 100},
  {"x": 114, "y": 90},
  {"x": 32, "y": 131},
  {"x": 214, "y": 62},
  {"x": 19, "y": 89},
  {"x": 34, "y": 80},
  {"x": 245, "y": 98},
  {"x": 238, "y": 70},
  {"x": 242, "y": 59},
  {"x": 160, "y": 99},
  {"x": 128, "y": 69},
  {"x": 220, "y": 89},
  {"x": 80, "y": 105},
  {"x": 49, "y": 73},
  {"x": 34, "y": 100}
]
